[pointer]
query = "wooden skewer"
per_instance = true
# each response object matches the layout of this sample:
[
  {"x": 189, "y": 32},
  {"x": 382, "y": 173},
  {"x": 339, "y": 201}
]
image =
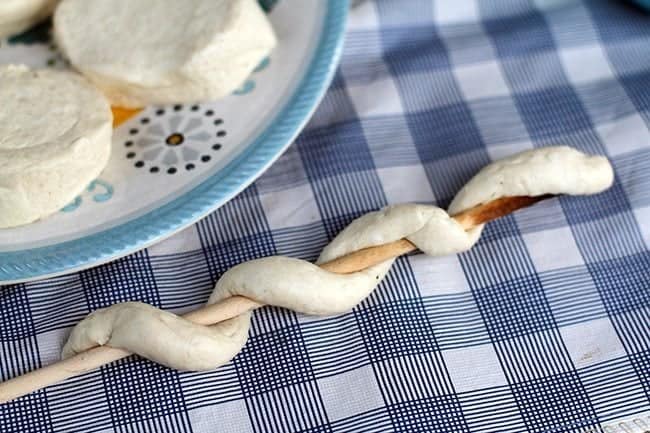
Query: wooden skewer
[
  {"x": 232, "y": 307},
  {"x": 468, "y": 219}
]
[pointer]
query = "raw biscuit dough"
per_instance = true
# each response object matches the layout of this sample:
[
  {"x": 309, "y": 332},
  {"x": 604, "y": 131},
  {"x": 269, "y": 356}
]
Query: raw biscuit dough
[
  {"x": 170, "y": 339},
  {"x": 304, "y": 287},
  {"x": 163, "y": 51},
  {"x": 19, "y": 15},
  {"x": 55, "y": 138}
]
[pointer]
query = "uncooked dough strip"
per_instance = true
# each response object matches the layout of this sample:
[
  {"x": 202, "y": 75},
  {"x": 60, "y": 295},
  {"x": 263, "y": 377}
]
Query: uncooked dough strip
[
  {"x": 231, "y": 307},
  {"x": 305, "y": 287}
]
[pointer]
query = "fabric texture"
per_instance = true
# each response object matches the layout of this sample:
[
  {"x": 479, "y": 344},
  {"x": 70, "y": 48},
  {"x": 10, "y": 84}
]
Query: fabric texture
[{"x": 542, "y": 327}]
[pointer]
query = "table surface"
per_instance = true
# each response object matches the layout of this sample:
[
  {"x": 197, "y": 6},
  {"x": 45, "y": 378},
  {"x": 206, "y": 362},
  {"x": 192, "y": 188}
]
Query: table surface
[{"x": 542, "y": 327}]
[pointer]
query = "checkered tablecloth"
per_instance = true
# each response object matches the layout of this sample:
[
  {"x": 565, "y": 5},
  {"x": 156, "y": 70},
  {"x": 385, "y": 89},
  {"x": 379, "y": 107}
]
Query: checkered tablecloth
[{"x": 544, "y": 326}]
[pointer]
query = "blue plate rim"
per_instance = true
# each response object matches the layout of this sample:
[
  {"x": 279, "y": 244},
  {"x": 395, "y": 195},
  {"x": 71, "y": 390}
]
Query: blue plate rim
[{"x": 185, "y": 210}]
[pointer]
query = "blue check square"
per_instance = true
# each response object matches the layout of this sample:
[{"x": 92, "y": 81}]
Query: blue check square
[
  {"x": 515, "y": 308},
  {"x": 138, "y": 390},
  {"x": 396, "y": 329},
  {"x": 400, "y": 45},
  {"x": 556, "y": 403},
  {"x": 347, "y": 155},
  {"x": 433, "y": 414},
  {"x": 123, "y": 280},
  {"x": 15, "y": 317},
  {"x": 272, "y": 361},
  {"x": 618, "y": 297},
  {"x": 520, "y": 35},
  {"x": 436, "y": 136},
  {"x": 641, "y": 363},
  {"x": 27, "y": 414}
]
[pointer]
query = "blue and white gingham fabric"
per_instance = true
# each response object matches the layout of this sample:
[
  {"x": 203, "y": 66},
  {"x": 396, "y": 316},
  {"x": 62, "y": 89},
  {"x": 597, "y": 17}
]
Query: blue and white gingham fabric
[{"x": 544, "y": 326}]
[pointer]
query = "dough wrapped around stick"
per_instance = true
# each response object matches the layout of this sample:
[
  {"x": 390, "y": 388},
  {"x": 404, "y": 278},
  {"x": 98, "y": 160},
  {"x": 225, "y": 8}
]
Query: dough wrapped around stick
[{"x": 307, "y": 288}]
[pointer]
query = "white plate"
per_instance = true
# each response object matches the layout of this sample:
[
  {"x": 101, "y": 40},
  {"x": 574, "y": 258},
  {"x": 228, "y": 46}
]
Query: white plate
[{"x": 152, "y": 189}]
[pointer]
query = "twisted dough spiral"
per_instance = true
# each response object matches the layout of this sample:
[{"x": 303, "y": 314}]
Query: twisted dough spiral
[{"x": 304, "y": 287}]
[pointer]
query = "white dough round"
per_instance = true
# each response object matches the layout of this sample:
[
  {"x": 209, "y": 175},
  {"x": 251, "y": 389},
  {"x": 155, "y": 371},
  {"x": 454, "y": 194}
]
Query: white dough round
[
  {"x": 19, "y": 15},
  {"x": 304, "y": 287},
  {"x": 55, "y": 138},
  {"x": 163, "y": 51}
]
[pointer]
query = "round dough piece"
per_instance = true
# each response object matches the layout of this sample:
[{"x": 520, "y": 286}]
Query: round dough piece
[
  {"x": 55, "y": 138},
  {"x": 163, "y": 51},
  {"x": 19, "y": 15}
]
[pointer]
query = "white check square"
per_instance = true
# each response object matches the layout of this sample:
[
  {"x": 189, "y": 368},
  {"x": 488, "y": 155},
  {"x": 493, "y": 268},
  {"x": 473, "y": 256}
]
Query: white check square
[
  {"x": 565, "y": 251},
  {"x": 228, "y": 417},
  {"x": 447, "y": 12},
  {"x": 378, "y": 97},
  {"x": 438, "y": 275},
  {"x": 625, "y": 135},
  {"x": 50, "y": 344},
  {"x": 350, "y": 393},
  {"x": 185, "y": 240},
  {"x": 363, "y": 17},
  {"x": 474, "y": 367},
  {"x": 592, "y": 342},
  {"x": 585, "y": 64},
  {"x": 290, "y": 208},
  {"x": 643, "y": 219},
  {"x": 406, "y": 184},
  {"x": 481, "y": 80}
]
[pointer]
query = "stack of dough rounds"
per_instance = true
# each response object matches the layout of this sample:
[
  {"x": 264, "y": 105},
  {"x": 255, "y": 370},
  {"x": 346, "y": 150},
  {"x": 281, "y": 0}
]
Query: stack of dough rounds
[
  {"x": 143, "y": 52},
  {"x": 55, "y": 138},
  {"x": 19, "y": 15}
]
